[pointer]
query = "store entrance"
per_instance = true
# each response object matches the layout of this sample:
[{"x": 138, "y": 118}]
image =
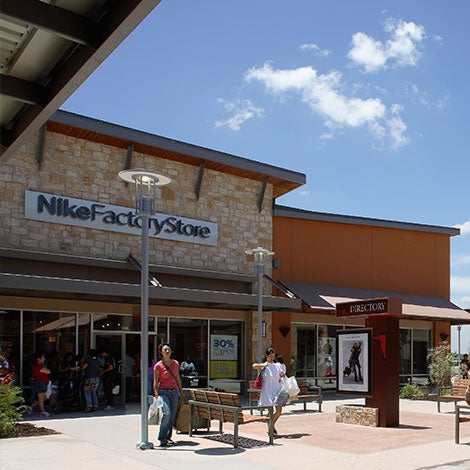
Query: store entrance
[
  {"x": 125, "y": 349},
  {"x": 306, "y": 356}
]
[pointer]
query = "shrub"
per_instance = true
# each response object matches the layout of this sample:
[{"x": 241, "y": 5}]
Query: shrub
[
  {"x": 441, "y": 360},
  {"x": 411, "y": 391},
  {"x": 11, "y": 407}
]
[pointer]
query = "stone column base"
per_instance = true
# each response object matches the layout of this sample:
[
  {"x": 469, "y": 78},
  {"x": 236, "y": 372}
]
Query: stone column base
[{"x": 355, "y": 414}]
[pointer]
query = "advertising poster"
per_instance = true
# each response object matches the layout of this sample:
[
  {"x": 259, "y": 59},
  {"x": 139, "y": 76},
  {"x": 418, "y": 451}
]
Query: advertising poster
[
  {"x": 224, "y": 356},
  {"x": 353, "y": 357}
]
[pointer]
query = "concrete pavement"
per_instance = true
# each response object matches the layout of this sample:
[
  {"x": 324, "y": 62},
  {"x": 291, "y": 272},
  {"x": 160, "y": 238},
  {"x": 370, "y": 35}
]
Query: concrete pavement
[{"x": 102, "y": 440}]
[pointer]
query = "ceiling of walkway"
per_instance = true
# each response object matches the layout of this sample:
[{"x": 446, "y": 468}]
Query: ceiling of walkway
[{"x": 48, "y": 48}]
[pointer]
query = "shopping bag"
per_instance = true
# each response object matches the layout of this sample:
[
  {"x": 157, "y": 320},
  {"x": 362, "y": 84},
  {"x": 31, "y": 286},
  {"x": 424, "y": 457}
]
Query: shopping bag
[
  {"x": 155, "y": 411},
  {"x": 183, "y": 418},
  {"x": 292, "y": 387},
  {"x": 49, "y": 390},
  {"x": 283, "y": 394}
]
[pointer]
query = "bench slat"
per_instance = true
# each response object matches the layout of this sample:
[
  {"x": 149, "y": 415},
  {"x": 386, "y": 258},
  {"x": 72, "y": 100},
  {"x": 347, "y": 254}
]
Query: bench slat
[{"x": 459, "y": 388}]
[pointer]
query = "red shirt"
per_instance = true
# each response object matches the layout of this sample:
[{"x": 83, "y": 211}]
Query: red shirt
[
  {"x": 166, "y": 380},
  {"x": 38, "y": 375}
]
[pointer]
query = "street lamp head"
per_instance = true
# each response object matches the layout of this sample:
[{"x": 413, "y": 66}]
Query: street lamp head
[
  {"x": 146, "y": 182},
  {"x": 260, "y": 255}
]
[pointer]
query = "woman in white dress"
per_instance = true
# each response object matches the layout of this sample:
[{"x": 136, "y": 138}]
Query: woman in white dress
[{"x": 272, "y": 374}]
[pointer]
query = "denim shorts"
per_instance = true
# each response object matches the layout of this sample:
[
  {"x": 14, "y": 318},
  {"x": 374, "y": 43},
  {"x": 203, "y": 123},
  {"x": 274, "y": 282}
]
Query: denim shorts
[{"x": 38, "y": 387}]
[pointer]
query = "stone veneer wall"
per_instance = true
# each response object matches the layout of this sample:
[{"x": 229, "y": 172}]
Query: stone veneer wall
[
  {"x": 362, "y": 415},
  {"x": 83, "y": 169}
]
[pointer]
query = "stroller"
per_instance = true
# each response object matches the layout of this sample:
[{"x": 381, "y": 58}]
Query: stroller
[{"x": 69, "y": 395}]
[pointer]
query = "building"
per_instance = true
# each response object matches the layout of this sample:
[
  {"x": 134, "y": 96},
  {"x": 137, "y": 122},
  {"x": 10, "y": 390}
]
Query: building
[
  {"x": 70, "y": 245},
  {"x": 325, "y": 259},
  {"x": 70, "y": 248}
]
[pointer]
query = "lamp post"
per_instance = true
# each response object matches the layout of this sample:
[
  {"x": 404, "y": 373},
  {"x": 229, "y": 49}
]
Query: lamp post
[
  {"x": 260, "y": 258},
  {"x": 459, "y": 329},
  {"x": 145, "y": 182}
]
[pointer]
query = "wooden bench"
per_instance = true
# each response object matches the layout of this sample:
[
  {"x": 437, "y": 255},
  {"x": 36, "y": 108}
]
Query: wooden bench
[
  {"x": 462, "y": 415},
  {"x": 458, "y": 392},
  {"x": 226, "y": 408},
  {"x": 304, "y": 395}
]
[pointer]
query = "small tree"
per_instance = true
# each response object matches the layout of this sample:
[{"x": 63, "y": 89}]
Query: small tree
[
  {"x": 11, "y": 407},
  {"x": 441, "y": 360}
]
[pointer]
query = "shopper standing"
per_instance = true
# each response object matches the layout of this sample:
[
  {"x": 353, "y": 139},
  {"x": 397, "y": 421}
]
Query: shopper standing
[
  {"x": 91, "y": 366},
  {"x": 167, "y": 385}
]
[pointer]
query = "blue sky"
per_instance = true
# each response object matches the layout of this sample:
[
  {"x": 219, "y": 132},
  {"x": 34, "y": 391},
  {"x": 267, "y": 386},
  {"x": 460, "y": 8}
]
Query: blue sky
[{"x": 369, "y": 99}]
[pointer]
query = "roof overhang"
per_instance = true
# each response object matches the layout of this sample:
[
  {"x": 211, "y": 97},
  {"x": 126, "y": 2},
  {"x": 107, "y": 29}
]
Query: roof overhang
[
  {"x": 95, "y": 130},
  {"x": 49, "y": 48},
  {"x": 325, "y": 297},
  {"x": 62, "y": 288}
]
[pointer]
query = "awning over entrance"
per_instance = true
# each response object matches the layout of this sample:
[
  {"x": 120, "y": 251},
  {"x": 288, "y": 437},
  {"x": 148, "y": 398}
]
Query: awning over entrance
[
  {"x": 65, "y": 288},
  {"x": 325, "y": 297}
]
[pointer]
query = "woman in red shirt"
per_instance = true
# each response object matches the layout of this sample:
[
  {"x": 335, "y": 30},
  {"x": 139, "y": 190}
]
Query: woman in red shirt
[
  {"x": 167, "y": 384},
  {"x": 39, "y": 382}
]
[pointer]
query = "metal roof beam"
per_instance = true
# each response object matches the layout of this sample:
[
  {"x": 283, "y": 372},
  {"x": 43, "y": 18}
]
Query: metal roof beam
[
  {"x": 261, "y": 194},
  {"x": 24, "y": 91},
  {"x": 119, "y": 21},
  {"x": 197, "y": 188},
  {"x": 55, "y": 20}
]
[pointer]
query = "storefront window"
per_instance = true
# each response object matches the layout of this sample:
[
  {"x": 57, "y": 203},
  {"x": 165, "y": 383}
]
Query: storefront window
[
  {"x": 226, "y": 355},
  {"x": 327, "y": 355},
  {"x": 84, "y": 334},
  {"x": 414, "y": 345},
  {"x": 10, "y": 343},
  {"x": 303, "y": 347},
  {"x": 50, "y": 333},
  {"x": 405, "y": 352},
  {"x": 421, "y": 343},
  {"x": 189, "y": 340},
  {"x": 120, "y": 323}
]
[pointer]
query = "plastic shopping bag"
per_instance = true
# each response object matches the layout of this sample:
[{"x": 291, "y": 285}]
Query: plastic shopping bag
[
  {"x": 282, "y": 395},
  {"x": 292, "y": 387},
  {"x": 155, "y": 411}
]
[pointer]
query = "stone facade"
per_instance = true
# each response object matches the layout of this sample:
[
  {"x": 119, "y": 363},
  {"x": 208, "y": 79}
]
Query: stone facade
[
  {"x": 353, "y": 414},
  {"x": 83, "y": 169}
]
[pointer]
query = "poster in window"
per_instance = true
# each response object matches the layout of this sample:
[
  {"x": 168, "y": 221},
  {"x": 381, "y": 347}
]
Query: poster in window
[
  {"x": 224, "y": 356},
  {"x": 327, "y": 360},
  {"x": 353, "y": 358}
]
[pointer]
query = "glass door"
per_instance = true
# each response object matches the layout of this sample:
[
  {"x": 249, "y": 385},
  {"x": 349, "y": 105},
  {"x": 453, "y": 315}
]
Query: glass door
[{"x": 305, "y": 359}]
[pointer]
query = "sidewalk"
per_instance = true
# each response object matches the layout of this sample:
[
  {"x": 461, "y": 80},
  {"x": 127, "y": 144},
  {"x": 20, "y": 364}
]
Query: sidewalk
[{"x": 424, "y": 440}]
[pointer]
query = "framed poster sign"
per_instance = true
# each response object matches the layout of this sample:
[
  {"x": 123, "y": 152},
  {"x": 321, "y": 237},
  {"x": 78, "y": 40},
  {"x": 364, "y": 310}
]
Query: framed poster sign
[{"x": 354, "y": 361}]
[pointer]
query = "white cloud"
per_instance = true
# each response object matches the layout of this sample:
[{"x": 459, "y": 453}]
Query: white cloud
[
  {"x": 460, "y": 284},
  {"x": 305, "y": 192},
  {"x": 460, "y": 287},
  {"x": 422, "y": 97},
  {"x": 322, "y": 93},
  {"x": 459, "y": 260},
  {"x": 317, "y": 49},
  {"x": 464, "y": 228},
  {"x": 463, "y": 302},
  {"x": 400, "y": 50},
  {"x": 242, "y": 110},
  {"x": 397, "y": 130}
]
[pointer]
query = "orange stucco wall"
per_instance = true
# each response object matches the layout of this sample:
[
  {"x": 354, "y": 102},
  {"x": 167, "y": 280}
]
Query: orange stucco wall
[{"x": 362, "y": 256}]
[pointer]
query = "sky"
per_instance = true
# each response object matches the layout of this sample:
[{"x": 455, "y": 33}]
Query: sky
[{"x": 368, "y": 98}]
